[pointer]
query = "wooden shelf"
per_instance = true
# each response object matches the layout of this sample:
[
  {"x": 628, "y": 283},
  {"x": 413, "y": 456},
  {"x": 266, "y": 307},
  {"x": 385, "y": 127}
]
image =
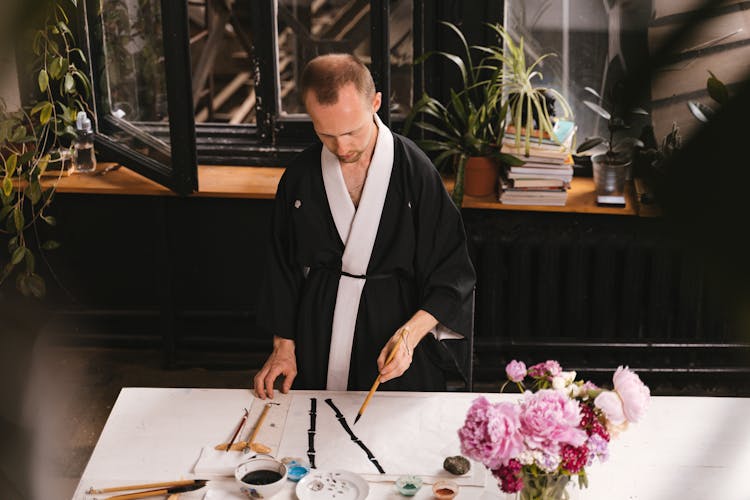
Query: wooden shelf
[
  {"x": 581, "y": 199},
  {"x": 261, "y": 182}
]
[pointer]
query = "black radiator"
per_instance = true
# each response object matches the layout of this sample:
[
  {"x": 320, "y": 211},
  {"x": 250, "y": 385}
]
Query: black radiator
[{"x": 595, "y": 297}]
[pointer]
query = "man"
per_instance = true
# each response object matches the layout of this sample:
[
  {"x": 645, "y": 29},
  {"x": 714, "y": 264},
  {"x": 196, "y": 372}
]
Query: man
[{"x": 366, "y": 248}]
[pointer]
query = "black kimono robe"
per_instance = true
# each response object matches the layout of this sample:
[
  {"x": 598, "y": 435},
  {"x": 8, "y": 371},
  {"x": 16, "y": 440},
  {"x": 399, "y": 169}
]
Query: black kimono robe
[{"x": 419, "y": 261}]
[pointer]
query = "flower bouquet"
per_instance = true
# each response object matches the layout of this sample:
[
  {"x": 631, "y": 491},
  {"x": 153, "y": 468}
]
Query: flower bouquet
[{"x": 561, "y": 425}]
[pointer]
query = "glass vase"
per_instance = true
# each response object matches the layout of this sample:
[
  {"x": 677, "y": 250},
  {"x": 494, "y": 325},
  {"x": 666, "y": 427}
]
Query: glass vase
[{"x": 544, "y": 487}]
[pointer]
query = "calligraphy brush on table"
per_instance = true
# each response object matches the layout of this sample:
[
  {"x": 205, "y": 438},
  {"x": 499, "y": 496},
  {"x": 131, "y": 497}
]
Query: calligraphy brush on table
[
  {"x": 166, "y": 484},
  {"x": 239, "y": 428},
  {"x": 160, "y": 492},
  {"x": 377, "y": 379}
]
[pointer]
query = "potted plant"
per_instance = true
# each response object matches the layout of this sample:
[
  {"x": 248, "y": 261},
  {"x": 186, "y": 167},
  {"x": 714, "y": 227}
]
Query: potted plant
[
  {"x": 31, "y": 141},
  {"x": 530, "y": 106},
  {"x": 610, "y": 166},
  {"x": 470, "y": 125}
]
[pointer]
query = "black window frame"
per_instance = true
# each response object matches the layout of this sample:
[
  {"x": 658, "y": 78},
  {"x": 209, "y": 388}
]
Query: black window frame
[
  {"x": 181, "y": 173},
  {"x": 272, "y": 141}
]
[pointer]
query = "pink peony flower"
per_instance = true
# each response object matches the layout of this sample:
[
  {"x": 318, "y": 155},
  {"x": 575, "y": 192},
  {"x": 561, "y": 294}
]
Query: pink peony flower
[
  {"x": 491, "y": 433},
  {"x": 629, "y": 400},
  {"x": 516, "y": 371},
  {"x": 549, "y": 419},
  {"x": 635, "y": 394},
  {"x": 548, "y": 369},
  {"x": 609, "y": 402},
  {"x": 552, "y": 367}
]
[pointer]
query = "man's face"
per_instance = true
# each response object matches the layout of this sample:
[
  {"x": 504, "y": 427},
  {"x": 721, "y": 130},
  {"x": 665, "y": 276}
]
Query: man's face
[{"x": 347, "y": 127}]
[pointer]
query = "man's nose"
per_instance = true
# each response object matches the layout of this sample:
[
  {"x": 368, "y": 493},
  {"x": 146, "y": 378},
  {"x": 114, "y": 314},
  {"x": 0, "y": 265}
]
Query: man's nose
[{"x": 342, "y": 147}]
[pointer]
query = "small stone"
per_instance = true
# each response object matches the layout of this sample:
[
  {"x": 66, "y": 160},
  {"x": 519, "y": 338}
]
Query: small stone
[{"x": 457, "y": 465}]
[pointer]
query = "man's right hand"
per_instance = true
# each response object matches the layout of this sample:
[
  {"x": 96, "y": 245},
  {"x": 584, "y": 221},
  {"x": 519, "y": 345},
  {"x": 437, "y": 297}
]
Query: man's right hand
[{"x": 282, "y": 361}]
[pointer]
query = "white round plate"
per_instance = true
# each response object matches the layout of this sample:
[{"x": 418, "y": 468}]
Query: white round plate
[{"x": 337, "y": 484}]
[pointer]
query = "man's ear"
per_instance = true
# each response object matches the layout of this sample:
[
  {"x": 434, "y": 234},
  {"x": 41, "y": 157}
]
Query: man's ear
[{"x": 376, "y": 101}]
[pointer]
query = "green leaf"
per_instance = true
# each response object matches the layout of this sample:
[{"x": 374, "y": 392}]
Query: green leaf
[
  {"x": 80, "y": 54},
  {"x": 18, "y": 255},
  {"x": 46, "y": 114},
  {"x": 511, "y": 160},
  {"x": 36, "y": 286},
  {"x": 43, "y": 162},
  {"x": 7, "y": 187},
  {"x": 18, "y": 133},
  {"x": 589, "y": 143},
  {"x": 34, "y": 191},
  {"x": 10, "y": 165},
  {"x": 717, "y": 90},
  {"x": 38, "y": 107},
  {"x": 55, "y": 67},
  {"x": 50, "y": 245},
  {"x": 63, "y": 27},
  {"x": 43, "y": 80},
  {"x": 18, "y": 219},
  {"x": 30, "y": 261},
  {"x": 22, "y": 283},
  {"x": 12, "y": 244},
  {"x": 84, "y": 81},
  {"x": 4, "y": 213},
  {"x": 69, "y": 84},
  {"x": 50, "y": 220},
  {"x": 598, "y": 110}
]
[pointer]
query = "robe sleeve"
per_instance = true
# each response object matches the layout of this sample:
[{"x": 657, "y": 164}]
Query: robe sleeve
[
  {"x": 277, "y": 313},
  {"x": 445, "y": 275}
]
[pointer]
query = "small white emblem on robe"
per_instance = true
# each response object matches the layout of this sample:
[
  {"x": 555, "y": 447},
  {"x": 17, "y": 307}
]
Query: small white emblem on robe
[{"x": 297, "y": 203}]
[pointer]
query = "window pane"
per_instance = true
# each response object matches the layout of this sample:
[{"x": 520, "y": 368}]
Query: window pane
[
  {"x": 134, "y": 87},
  {"x": 307, "y": 28},
  {"x": 578, "y": 33},
  {"x": 222, "y": 65}
]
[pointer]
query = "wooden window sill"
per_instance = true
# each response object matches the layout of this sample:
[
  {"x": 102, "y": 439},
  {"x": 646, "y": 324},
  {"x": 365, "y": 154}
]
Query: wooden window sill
[{"x": 261, "y": 182}]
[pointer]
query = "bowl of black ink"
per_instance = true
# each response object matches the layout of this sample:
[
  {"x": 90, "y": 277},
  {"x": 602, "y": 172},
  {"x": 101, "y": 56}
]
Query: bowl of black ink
[{"x": 260, "y": 477}]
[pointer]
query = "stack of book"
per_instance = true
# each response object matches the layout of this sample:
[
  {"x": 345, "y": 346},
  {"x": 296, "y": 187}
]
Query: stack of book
[{"x": 545, "y": 176}]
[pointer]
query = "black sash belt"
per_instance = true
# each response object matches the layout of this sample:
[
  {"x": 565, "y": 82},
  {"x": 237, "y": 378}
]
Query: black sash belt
[
  {"x": 346, "y": 427},
  {"x": 380, "y": 276},
  {"x": 311, "y": 433}
]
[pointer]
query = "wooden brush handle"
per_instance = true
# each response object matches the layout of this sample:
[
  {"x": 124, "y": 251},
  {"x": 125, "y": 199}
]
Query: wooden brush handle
[
  {"x": 141, "y": 494},
  {"x": 168, "y": 484},
  {"x": 377, "y": 379},
  {"x": 257, "y": 426}
]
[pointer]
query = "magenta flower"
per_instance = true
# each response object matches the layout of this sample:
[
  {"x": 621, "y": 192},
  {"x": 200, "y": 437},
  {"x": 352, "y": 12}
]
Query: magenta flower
[
  {"x": 491, "y": 433},
  {"x": 516, "y": 371},
  {"x": 548, "y": 369},
  {"x": 550, "y": 419}
]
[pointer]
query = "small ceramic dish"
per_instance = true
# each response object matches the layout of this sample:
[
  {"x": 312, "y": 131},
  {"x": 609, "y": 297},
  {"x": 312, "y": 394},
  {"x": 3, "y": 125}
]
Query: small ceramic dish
[
  {"x": 445, "y": 489},
  {"x": 409, "y": 485}
]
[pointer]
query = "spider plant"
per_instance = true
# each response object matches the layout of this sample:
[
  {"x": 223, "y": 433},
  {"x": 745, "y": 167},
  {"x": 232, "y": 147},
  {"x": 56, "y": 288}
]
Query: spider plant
[
  {"x": 525, "y": 98},
  {"x": 472, "y": 121}
]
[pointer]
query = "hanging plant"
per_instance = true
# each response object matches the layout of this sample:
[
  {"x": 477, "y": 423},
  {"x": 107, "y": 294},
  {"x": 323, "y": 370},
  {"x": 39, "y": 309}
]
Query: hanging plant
[{"x": 35, "y": 139}]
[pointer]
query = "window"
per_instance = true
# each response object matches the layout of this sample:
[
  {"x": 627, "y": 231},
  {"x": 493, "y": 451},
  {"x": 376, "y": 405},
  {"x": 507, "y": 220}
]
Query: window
[
  {"x": 209, "y": 81},
  {"x": 138, "y": 50}
]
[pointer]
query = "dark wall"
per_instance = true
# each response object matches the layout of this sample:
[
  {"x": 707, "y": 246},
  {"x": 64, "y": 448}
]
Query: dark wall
[{"x": 594, "y": 291}]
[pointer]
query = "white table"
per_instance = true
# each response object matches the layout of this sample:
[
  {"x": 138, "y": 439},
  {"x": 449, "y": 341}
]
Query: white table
[{"x": 685, "y": 448}]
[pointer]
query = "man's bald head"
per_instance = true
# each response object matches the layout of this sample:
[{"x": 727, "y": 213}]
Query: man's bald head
[{"x": 325, "y": 75}]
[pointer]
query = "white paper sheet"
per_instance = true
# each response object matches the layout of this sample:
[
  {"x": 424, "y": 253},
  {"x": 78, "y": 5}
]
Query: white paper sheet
[{"x": 407, "y": 434}]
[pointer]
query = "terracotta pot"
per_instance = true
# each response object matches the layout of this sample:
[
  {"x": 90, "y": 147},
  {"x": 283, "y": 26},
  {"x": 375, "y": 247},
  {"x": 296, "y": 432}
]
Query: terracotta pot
[{"x": 480, "y": 176}]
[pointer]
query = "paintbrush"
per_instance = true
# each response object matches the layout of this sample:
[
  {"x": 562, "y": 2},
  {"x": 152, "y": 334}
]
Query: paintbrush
[
  {"x": 160, "y": 491},
  {"x": 377, "y": 379},
  {"x": 239, "y": 428},
  {"x": 165, "y": 484}
]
